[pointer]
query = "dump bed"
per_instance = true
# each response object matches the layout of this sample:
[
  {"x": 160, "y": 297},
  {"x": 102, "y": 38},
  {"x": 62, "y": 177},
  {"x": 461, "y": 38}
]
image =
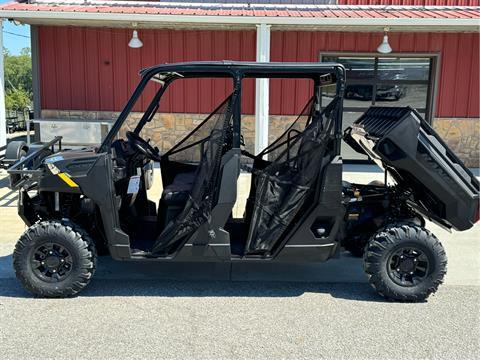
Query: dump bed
[{"x": 399, "y": 140}]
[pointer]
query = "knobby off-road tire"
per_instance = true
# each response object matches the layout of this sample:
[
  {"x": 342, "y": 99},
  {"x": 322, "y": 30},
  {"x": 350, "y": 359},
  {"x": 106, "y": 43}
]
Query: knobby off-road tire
[
  {"x": 405, "y": 262},
  {"x": 54, "y": 259}
]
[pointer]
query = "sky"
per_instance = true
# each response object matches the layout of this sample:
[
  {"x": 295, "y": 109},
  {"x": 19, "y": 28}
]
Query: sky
[{"x": 15, "y": 43}]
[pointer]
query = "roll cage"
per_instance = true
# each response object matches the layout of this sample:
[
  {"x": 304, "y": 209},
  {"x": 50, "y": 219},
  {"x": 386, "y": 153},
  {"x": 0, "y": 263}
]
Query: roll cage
[{"x": 321, "y": 74}]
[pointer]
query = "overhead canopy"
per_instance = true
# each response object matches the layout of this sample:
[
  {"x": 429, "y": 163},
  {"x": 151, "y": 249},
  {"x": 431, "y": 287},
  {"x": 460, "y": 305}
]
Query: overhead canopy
[
  {"x": 151, "y": 14},
  {"x": 248, "y": 69}
]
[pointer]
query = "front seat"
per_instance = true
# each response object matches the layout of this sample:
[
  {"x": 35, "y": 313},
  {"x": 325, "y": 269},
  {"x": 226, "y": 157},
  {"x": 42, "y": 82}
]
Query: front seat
[{"x": 174, "y": 198}]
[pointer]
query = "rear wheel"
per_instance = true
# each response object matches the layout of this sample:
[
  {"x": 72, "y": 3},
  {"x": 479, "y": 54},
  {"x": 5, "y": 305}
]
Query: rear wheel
[
  {"x": 53, "y": 259},
  {"x": 405, "y": 262}
]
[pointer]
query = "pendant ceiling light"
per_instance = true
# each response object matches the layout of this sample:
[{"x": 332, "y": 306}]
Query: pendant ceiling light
[
  {"x": 135, "y": 42},
  {"x": 384, "y": 47}
]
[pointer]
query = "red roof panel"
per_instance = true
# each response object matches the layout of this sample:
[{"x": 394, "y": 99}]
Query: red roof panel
[{"x": 252, "y": 10}]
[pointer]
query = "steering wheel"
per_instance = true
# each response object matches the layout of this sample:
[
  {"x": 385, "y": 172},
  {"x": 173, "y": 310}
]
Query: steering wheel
[{"x": 144, "y": 146}]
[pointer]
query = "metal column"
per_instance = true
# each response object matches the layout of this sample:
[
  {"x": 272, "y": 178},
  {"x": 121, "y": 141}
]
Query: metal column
[
  {"x": 261, "y": 90},
  {"x": 3, "y": 124},
  {"x": 37, "y": 111}
]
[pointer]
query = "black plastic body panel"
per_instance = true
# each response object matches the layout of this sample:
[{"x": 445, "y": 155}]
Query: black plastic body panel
[
  {"x": 200, "y": 246},
  {"x": 92, "y": 172},
  {"x": 400, "y": 141},
  {"x": 315, "y": 236}
]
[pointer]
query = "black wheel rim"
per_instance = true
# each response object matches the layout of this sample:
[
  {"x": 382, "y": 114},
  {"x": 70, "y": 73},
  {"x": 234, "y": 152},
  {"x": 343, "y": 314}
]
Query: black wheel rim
[
  {"x": 51, "y": 262},
  {"x": 408, "y": 266}
]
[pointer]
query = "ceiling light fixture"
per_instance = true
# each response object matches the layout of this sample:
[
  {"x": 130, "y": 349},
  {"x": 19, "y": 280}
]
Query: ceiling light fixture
[{"x": 384, "y": 47}]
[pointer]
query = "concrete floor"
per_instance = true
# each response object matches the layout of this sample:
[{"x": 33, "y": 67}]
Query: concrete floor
[{"x": 135, "y": 310}]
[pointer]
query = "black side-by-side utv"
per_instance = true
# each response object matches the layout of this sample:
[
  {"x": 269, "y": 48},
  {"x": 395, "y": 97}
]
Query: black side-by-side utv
[{"x": 78, "y": 202}]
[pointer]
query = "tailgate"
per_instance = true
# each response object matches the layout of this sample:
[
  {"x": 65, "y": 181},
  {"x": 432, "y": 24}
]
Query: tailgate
[{"x": 400, "y": 141}]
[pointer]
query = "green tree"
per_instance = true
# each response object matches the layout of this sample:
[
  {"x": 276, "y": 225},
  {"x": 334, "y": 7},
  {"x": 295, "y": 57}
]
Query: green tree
[
  {"x": 18, "y": 80},
  {"x": 17, "y": 99}
]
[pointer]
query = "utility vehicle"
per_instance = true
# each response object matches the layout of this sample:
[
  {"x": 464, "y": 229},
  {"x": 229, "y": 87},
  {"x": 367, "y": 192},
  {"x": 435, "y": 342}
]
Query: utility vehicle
[{"x": 76, "y": 202}]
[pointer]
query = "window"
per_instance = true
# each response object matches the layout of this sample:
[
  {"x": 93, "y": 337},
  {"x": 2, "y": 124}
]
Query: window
[{"x": 383, "y": 81}]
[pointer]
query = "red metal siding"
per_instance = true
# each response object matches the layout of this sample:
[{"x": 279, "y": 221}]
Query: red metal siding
[
  {"x": 94, "y": 69},
  {"x": 458, "y": 88},
  {"x": 411, "y": 2}
]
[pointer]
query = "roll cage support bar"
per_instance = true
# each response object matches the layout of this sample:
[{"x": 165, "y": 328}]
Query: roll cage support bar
[{"x": 166, "y": 74}]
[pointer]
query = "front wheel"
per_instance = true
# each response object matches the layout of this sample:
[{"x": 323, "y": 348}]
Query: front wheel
[
  {"x": 53, "y": 259},
  {"x": 405, "y": 262}
]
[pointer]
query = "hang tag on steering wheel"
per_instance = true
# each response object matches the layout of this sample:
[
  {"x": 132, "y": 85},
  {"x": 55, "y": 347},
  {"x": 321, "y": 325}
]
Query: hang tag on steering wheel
[{"x": 133, "y": 184}]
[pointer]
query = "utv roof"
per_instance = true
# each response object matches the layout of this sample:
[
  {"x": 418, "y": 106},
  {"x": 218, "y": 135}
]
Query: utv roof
[{"x": 248, "y": 68}]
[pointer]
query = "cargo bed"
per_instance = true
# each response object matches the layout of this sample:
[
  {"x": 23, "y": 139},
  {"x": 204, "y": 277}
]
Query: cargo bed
[{"x": 401, "y": 142}]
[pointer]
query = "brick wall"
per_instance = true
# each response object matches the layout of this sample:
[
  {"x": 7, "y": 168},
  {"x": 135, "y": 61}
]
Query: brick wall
[{"x": 166, "y": 129}]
